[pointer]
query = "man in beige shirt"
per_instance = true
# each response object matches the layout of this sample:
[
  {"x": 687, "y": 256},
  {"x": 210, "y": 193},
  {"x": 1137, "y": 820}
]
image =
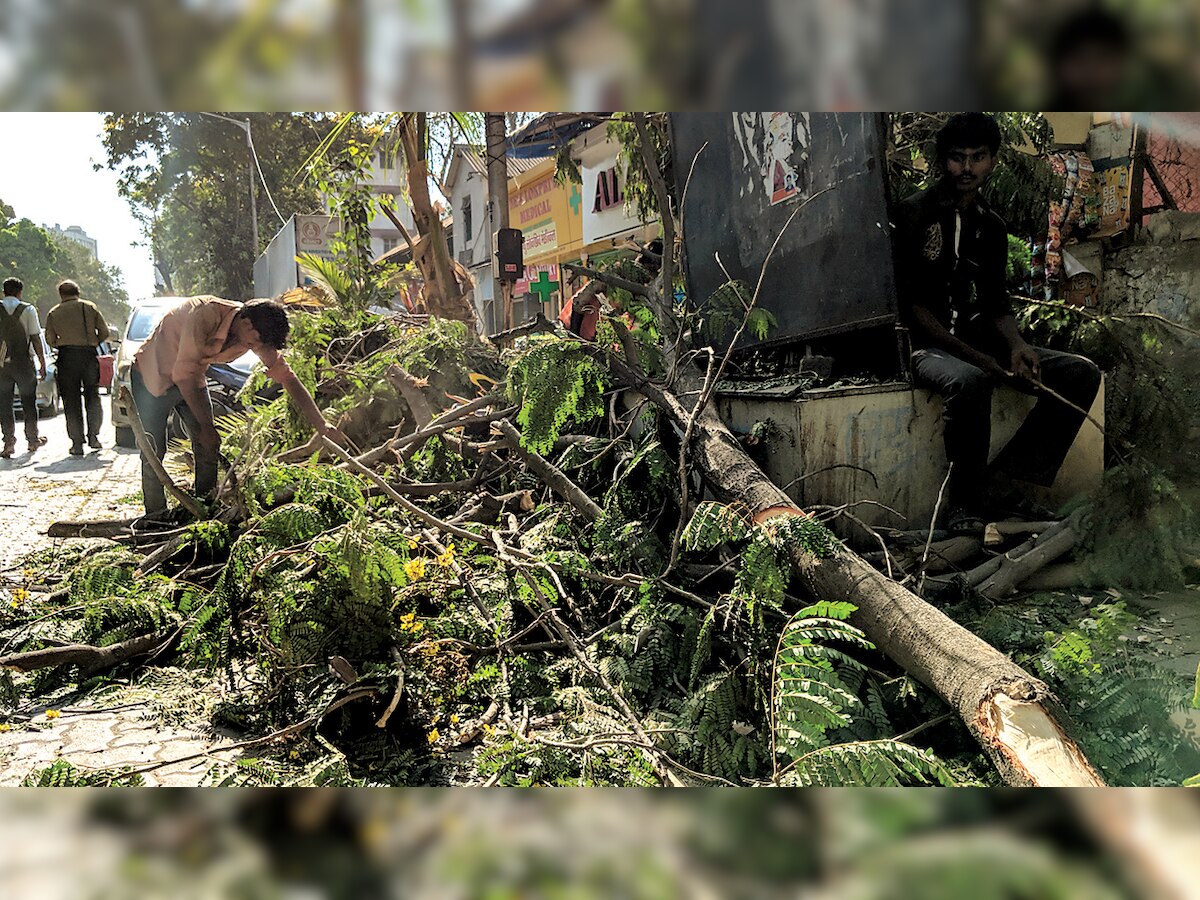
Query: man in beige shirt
[
  {"x": 75, "y": 328},
  {"x": 169, "y": 371}
]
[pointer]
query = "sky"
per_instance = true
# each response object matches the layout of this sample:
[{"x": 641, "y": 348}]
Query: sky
[{"x": 46, "y": 175}]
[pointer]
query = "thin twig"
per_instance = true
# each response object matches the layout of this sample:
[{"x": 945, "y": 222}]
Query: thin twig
[
  {"x": 932, "y": 525},
  {"x": 572, "y": 644}
]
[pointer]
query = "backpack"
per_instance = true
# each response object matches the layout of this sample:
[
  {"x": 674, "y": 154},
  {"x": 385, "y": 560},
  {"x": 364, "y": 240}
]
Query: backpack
[{"x": 13, "y": 337}]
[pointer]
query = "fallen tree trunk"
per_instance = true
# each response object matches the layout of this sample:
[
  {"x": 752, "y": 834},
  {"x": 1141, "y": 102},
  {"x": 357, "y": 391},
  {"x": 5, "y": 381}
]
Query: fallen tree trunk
[
  {"x": 1060, "y": 577},
  {"x": 995, "y": 532},
  {"x": 90, "y": 659},
  {"x": 1014, "y": 716}
]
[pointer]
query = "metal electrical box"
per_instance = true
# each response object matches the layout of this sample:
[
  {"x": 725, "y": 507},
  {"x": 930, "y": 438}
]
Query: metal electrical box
[{"x": 813, "y": 182}]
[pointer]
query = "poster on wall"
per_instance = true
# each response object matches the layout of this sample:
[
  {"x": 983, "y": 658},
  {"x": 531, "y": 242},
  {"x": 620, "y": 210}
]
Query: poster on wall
[
  {"x": 1115, "y": 180},
  {"x": 774, "y": 149}
]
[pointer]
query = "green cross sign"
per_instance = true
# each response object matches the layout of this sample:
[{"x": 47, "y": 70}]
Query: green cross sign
[
  {"x": 543, "y": 287},
  {"x": 575, "y": 199}
]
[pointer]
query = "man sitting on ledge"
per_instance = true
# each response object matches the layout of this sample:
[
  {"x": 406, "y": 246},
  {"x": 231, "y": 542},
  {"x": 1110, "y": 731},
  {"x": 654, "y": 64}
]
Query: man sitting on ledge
[{"x": 951, "y": 253}]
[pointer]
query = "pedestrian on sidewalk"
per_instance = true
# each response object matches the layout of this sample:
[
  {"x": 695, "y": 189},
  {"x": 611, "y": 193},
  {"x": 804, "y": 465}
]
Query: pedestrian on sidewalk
[
  {"x": 169, "y": 371},
  {"x": 19, "y": 330},
  {"x": 75, "y": 329}
]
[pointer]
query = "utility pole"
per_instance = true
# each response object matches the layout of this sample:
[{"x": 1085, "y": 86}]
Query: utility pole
[{"x": 497, "y": 169}]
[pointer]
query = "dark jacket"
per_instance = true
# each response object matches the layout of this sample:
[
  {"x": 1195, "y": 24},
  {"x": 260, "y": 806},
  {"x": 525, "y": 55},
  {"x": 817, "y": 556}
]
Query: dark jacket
[{"x": 955, "y": 288}]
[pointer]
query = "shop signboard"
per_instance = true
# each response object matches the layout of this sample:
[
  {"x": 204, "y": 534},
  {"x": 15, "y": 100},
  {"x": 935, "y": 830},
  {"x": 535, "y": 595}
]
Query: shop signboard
[
  {"x": 546, "y": 211},
  {"x": 605, "y": 214}
]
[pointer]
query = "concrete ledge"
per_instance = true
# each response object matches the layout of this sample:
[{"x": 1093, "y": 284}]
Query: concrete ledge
[{"x": 894, "y": 433}]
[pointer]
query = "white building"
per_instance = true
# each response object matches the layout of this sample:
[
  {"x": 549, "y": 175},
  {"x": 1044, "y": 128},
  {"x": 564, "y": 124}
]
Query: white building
[
  {"x": 607, "y": 218},
  {"x": 76, "y": 234},
  {"x": 387, "y": 177},
  {"x": 467, "y": 192}
]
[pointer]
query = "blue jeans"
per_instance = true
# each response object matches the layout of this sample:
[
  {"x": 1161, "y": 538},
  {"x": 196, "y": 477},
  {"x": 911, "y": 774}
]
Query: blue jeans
[
  {"x": 154, "y": 412},
  {"x": 1036, "y": 452}
]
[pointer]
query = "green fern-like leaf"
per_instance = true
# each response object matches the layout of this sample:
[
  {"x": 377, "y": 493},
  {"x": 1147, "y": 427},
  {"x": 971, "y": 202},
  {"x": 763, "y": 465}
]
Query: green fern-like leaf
[
  {"x": 761, "y": 578},
  {"x": 61, "y": 773},
  {"x": 868, "y": 764},
  {"x": 553, "y": 382},
  {"x": 713, "y": 524},
  {"x": 803, "y": 531},
  {"x": 816, "y": 695}
]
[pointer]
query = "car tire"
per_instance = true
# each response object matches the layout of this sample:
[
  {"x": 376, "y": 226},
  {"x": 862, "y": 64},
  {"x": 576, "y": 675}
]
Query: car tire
[{"x": 125, "y": 437}]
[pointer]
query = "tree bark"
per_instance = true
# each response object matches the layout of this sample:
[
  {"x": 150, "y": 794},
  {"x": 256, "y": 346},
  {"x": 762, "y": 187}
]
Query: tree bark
[
  {"x": 447, "y": 294},
  {"x": 1013, "y": 716}
]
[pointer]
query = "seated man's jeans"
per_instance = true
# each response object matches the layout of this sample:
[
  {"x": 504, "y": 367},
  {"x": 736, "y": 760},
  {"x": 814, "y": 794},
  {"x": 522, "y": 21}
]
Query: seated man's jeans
[
  {"x": 154, "y": 413},
  {"x": 1036, "y": 452}
]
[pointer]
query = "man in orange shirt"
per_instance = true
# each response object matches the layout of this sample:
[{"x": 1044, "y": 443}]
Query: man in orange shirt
[{"x": 169, "y": 371}]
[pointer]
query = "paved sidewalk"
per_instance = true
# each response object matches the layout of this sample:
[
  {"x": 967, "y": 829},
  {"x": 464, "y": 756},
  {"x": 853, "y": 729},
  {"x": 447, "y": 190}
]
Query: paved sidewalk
[
  {"x": 38, "y": 489},
  {"x": 106, "y": 737},
  {"x": 49, "y": 485}
]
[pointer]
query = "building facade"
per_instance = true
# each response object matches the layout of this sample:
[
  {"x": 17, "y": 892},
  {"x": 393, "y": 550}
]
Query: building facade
[
  {"x": 467, "y": 194},
  {"x": 78, "y": 235},
  {"x": 387, "y": 179}
]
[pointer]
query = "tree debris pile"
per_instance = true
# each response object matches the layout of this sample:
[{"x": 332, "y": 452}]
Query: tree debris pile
[{"x": 489, "y": 589}]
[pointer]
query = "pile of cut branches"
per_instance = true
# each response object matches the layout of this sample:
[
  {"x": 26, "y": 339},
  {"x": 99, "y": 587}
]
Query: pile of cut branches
[{"x": 551, "y": 564}]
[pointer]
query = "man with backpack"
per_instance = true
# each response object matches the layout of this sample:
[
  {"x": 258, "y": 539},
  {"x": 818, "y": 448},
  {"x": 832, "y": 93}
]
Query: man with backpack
[
  {"x": 75, "y": 328},
  {"x": 19, "y": 330}
]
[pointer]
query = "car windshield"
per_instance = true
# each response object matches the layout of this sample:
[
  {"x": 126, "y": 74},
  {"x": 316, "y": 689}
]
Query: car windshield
[{"x": 143, "y": 322}]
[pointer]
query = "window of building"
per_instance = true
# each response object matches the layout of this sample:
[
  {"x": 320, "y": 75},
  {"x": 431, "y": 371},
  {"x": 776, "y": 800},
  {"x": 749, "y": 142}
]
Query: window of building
[
  {"x": 390, "y": 244},
  {"x": 467, "y": 230}
]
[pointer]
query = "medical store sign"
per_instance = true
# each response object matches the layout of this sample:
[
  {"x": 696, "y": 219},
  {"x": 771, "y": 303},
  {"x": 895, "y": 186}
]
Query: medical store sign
[
  {"x": 531, "y": 208},
  {"x": 539, "y": 278}
]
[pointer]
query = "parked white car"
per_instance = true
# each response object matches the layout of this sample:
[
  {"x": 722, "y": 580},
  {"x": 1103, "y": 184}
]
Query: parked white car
[{"x": 48, "y": 401}]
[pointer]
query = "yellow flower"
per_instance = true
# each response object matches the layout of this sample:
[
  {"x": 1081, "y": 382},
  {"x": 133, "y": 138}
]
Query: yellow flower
[
  {"x": 52, "y": 714},
  {"x": 433, "y": 736},
  {"x": 447, "y": 558},
  {"x": 415, "y": 569},
  {"x": 5, "y": 727},
  {"x": 453, "y": 719},
  {"x": 412, "y": 543},
  {"x": 409, "y": 623},
  {"x": 19, "y": 595},
  {"x": 295, "y": 754},
  {"x": 28, "y": 574}
]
